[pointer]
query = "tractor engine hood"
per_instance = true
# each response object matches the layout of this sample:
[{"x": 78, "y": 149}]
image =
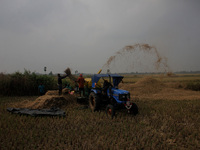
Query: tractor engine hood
[
  {"x": 119, "y": 91},
  {"x": 121, "y": 96}
]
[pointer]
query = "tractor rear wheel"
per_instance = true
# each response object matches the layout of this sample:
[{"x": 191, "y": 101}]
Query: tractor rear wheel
[
  {"x": 81, "y": 100},
  {"x": 110, "y": 111},
  {"x": 134, "y": 109},
  {"x": 94, "y": 101}
]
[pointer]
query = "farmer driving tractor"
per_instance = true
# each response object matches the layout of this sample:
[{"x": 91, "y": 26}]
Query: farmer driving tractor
[{"x": 106, "y": 85}]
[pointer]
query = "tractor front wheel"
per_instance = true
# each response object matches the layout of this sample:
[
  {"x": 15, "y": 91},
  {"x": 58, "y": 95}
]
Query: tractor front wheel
[
  {"x": 134, "y": 109},
  {"x": 110, "y": 111},
  {"x": 94, "y": 101}
]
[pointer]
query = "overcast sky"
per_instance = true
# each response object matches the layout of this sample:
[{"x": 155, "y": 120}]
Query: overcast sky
[{"x": 83, "y": 34}]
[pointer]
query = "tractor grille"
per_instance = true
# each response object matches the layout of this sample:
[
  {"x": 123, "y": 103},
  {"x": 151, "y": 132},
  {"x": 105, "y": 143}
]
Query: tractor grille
[{"x": 124, "y": 97}]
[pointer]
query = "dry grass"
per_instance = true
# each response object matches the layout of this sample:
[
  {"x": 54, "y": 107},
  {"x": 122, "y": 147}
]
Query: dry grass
[
  {"x": 168, "y": 119},
  {"x": 161, "y": 124},
  {"x": 71, "y": 77},
  {"x": 50, "y": 100},
  {"x": 68, "y": 71},
  {"x": 153, "y": 89},
  {"x": 159, "y": 62}
]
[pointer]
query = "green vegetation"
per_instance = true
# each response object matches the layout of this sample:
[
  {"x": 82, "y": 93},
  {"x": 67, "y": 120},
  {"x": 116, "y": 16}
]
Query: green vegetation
[
  {"x": 20, "y": 84},
  {"x": 160, "y": 125},
  {"x": 24, "y": 83}
]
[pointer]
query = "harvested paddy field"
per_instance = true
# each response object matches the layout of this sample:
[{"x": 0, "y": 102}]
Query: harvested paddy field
[
  {"x": 153, "y": 89},
  {"x": 147, "y": 88},
  {"x": 168, "y": 119},
  {"x": 160, "y": 124}
]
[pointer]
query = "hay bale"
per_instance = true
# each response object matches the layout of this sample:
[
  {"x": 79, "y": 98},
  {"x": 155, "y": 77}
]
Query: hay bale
[
  {"x": 148, "y": 85},
  {"x": 145, "y": 86},
  {"x": 65, "y": 91},
  {"x": 71, "y": 77},
  {"x": 68, "y": 71},
  {"x": 52, "y": 92},
  {"x": 50, "y": 100},
  {"x": 147, "y": 81}
]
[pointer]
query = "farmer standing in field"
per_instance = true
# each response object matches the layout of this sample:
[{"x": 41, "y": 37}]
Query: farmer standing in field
[
  {"x": 41, "y": 89},
  {"x": 81, "y": 82},
  {"x": 60, "y": 83}
]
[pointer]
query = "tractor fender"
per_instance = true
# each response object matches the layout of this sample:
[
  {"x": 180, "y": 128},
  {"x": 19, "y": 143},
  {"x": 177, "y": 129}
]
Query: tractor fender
[{"x": 96, "y": 91}]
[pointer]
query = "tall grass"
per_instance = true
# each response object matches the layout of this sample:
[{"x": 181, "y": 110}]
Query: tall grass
[{"x": 18, "y": 84}]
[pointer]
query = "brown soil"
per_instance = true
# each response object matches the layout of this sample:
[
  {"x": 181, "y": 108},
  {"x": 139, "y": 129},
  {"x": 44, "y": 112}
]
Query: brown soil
[
  {"x": 50, "y": 100},
  {"x": 152, "y": 89}
]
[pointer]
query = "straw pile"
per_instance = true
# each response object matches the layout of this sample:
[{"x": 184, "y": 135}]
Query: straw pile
[
  {"x": 52, "y": 92},
  {"x": 50, "y": 100},
  {"x": 146, "y": 85},
  {"x": 68, "y": 71},
  {"x": 152, "y": 89}
]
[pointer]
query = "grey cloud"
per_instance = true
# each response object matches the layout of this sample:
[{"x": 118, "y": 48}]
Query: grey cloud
[{"x": 83, "y": 34}]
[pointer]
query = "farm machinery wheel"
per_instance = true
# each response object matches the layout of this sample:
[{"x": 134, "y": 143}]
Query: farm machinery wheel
[
  {"x": 94, "y": 101},
  {"x": 134, "y": 109},
  {"x": 110, "y": 111}
]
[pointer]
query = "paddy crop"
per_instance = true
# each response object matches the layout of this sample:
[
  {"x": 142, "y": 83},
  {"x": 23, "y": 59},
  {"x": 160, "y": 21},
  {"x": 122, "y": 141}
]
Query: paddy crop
[{"x": 160, "y": 124}]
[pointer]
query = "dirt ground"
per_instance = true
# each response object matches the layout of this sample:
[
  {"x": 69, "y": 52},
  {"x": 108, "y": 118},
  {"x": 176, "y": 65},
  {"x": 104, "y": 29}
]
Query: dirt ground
[{"x": 152, "y": 89}]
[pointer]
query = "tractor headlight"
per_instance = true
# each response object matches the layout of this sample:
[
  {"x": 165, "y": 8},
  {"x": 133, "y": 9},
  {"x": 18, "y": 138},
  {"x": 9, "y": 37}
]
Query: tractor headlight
[{"x": 124, "y": 97}]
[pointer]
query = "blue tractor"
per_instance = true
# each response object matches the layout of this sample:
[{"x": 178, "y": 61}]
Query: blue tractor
[{"x": 110, "y": 95}]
